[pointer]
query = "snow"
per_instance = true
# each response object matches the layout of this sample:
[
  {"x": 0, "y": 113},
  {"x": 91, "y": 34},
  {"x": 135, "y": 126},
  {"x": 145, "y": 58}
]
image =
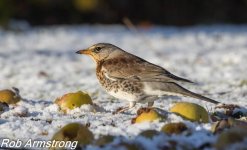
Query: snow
[{"x": 41, "y": 62}]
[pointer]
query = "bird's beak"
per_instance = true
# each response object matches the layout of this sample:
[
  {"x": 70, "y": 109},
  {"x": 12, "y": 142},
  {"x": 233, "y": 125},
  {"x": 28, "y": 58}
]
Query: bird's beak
[{"x": 83, "y": 51}]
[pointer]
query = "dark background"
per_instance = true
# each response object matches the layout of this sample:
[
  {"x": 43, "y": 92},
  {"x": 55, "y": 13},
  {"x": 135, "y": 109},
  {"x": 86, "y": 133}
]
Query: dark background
[{"x": 140, "y": 12}]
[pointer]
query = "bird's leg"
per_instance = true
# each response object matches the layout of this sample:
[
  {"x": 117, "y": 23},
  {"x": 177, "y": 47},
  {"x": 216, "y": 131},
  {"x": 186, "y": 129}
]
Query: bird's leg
[
  {"x": 119, "y": 110},
  {"x": 150, "y": 104}
]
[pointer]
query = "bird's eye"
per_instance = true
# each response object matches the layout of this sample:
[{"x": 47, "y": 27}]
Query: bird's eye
[{"x": 97, "y": 49}]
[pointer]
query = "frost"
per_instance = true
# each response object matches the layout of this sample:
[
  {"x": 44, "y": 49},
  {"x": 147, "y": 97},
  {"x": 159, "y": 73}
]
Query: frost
[{"x": 42, "y": 63}]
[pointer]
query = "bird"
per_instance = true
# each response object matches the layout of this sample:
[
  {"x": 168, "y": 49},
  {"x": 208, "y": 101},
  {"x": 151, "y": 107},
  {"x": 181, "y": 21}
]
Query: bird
[{"x": 131, "y": 78}]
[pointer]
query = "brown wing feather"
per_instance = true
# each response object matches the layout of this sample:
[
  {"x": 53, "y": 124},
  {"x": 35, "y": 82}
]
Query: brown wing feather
[{"x": 139, "y": 70}]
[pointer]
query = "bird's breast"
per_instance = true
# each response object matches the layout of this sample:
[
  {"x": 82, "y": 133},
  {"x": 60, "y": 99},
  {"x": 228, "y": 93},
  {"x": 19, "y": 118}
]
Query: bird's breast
[{"x": 120, "y": 88}]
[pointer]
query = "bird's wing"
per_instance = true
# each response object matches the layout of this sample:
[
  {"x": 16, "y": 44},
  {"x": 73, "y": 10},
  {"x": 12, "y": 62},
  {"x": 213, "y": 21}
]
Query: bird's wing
[{"x": 138, "y": 70}]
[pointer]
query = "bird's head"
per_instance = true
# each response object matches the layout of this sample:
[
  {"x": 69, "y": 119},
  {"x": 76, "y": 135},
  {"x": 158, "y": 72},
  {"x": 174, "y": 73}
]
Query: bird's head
[{"x": 99, "y": 51}]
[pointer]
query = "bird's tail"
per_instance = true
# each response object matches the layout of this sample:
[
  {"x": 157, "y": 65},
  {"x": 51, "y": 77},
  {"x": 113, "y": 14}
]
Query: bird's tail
[
  {"x": 172, "y": 87},
  {"x": 197, "y": 96}
]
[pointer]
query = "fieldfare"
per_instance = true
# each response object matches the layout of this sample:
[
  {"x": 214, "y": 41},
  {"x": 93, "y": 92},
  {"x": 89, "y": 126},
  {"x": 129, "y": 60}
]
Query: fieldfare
[{"x": 128, "y": 77}]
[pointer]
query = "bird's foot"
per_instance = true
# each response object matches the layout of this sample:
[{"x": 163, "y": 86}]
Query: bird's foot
[
  {"x": 150, "y": 104},
  {"x": 120, "y": 110},
  {"x": 123, "y": 109}
]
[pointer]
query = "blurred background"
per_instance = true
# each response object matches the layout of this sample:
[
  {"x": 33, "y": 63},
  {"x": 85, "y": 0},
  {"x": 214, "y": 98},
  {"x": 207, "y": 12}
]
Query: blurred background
[{"x": 140, "y": 12}]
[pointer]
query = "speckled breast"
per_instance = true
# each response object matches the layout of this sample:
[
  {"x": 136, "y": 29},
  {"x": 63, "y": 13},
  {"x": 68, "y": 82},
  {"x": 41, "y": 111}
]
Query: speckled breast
[{"x": 118, "y": 85}]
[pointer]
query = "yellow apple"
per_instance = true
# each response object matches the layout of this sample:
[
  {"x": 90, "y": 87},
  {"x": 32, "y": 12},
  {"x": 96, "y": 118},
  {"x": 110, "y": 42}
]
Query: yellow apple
[
  {"x": 190, "y": 111},
  {"x": 174, "y": 128},
  {"x": 73, "y": 100},
  {"x": 74, "y": 132},
  {"x": 9, "y": 96},
  {"x": 147, "y": 115},
  {"x": 231, "y": 136}
]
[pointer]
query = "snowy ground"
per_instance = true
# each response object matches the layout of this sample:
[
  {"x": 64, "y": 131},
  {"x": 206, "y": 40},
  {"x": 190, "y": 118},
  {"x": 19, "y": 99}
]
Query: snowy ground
[{"x": 213, "y": 56}]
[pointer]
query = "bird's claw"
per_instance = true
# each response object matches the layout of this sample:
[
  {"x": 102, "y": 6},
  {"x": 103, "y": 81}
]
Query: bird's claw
[{"x": 119, "y": 110}]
